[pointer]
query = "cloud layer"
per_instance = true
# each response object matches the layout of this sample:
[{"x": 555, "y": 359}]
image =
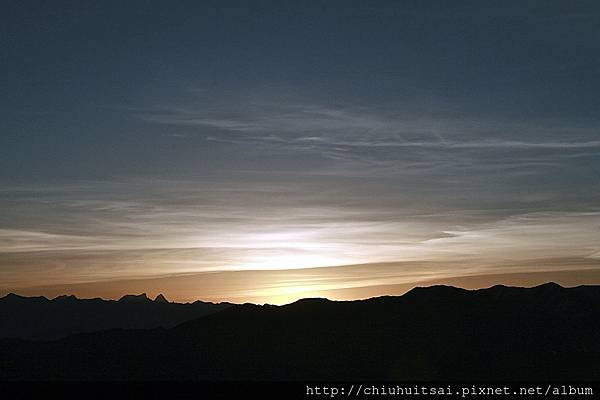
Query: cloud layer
[{"x": 142, "y": 229}]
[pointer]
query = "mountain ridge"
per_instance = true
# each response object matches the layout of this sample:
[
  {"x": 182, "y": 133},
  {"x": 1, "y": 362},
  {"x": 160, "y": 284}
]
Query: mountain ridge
[
  {"x": 144, "y": 295},
  {"x": 438, "y": 333},
  {"x": 42, "y": 318}
]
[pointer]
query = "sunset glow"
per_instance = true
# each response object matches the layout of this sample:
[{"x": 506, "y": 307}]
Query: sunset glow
[{"x": 382, "y": 148}]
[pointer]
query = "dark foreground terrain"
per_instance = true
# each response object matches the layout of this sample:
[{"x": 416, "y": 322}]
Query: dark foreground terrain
[
  {"x": 435, "y": 333},
  {"x": 41, "y": 318}
]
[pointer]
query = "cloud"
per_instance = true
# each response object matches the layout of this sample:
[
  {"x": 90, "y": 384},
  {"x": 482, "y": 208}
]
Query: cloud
[
  {"x": 141, "y": 229},
  {"x": 384, "y": 140},
  {"x": 331, "y": 186},
  {"x": 15, "y": 240}
]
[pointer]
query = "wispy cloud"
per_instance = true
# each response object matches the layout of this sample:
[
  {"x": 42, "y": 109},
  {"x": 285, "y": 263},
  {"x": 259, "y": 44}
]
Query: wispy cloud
[
  {"x": 142, "y": 230},
  {"x": 396, "y": 187},
  {"x": 384, "y": 139}
]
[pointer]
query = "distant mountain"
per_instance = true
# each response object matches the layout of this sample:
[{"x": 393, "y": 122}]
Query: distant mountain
[
  {"x": 41, "y": 318},
  {"x": 436, "y": 333},
  {"x": 161, "y": 299}
]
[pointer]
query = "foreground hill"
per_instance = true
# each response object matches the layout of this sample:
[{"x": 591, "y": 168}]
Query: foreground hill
[
  {"x": 41, "y": 318},
  {"x": 441, "y": 333}
]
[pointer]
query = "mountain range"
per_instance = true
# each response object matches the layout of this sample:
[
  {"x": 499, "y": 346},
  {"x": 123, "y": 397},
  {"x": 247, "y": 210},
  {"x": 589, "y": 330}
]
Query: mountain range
[
  {"x": 436, "y": 333},
  {"x": 41, "y": 318}
]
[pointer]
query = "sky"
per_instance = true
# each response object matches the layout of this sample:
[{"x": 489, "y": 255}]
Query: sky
[{"x": 267, "y": 151}]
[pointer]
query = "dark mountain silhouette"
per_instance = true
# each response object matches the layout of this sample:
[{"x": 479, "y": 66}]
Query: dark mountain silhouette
[
  {"x": 436, "y": 333},
  {"x": 161, "y": 299},
  {"x": 41, "y": 318},
  {"x": 134, "y": 298}
]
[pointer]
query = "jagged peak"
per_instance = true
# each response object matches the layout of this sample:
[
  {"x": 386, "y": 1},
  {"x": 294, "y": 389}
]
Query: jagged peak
[{"x": 161, "y": 299}]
